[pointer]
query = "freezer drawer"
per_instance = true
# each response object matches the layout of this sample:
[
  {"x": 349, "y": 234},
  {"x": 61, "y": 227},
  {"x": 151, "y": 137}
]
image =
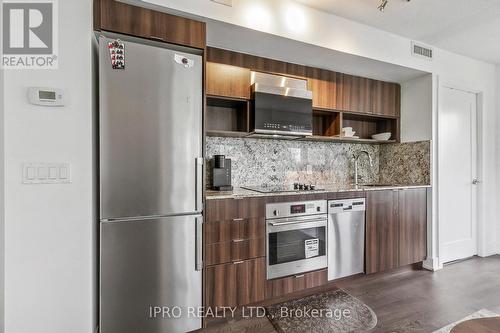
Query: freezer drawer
[
  {"x": 148, "y": 263},
  {"x": 346, "y": 241}
]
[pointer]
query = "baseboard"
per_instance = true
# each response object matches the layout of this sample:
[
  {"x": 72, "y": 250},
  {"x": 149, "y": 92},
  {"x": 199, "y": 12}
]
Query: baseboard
[{"x": 432, "y": 264}]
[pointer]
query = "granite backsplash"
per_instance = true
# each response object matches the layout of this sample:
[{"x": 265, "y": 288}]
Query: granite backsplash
[
  {"x": 406, "y": 163},
  {"x": 278, "y": 162}
]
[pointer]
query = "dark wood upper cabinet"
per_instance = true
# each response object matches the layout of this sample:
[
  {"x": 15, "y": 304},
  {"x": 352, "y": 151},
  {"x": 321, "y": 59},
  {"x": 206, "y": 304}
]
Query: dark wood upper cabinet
[
  {"x": 114, "y": 16},
  {"x": 228, "y": 81},
  {"x": 356, "y": 94},
  {"x": 386, "y": 98},
  {"x": 412, "y": 226},
  {"x": 326, "y": 87},
  {"x": 381, "y": 231}
]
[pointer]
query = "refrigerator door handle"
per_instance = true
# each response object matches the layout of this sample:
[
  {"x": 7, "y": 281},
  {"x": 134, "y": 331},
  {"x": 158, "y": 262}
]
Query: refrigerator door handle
[
  {"x": 199, "y": 243},
  {"x": 199, "y": 183}
]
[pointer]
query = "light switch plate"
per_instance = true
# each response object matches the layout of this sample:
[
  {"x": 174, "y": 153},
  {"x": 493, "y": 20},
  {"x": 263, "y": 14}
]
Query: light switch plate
[{"x": 46, "y": 173}]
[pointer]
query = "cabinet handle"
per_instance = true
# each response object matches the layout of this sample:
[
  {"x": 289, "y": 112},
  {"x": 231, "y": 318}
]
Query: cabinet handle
[
  {"x": 237, "y": 240},
  {"x": 238, "y": 220},
  {"x": 299, "y": 276},
  {"x": 199, "y": 242},
  {"x": 199, "y": 183},
  {"x": 238, "y": 262},
  {"x": 157, "y": 38}
]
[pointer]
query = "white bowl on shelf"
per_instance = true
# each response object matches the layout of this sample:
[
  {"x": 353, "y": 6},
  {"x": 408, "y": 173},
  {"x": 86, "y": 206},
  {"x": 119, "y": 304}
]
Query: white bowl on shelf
[{"x": 382, "y": 136}]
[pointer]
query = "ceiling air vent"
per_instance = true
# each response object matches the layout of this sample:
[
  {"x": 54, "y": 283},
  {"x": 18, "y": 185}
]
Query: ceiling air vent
[{"x": 422, "y": 51}]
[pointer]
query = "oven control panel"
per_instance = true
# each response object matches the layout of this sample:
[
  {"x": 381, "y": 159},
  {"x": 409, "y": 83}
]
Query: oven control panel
[{"x": 288, "y": 209}]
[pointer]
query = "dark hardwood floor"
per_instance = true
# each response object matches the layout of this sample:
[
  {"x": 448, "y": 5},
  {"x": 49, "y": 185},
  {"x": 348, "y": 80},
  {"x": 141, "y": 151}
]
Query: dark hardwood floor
[{"x": 412, "y": 300}]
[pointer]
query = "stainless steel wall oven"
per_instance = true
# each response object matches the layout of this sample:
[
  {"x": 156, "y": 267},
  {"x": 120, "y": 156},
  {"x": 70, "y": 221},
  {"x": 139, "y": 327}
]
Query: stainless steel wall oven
[{"x": 297, "y": 237}]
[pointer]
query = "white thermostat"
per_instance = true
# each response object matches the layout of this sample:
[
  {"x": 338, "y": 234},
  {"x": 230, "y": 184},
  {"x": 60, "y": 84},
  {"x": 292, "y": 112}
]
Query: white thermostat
[{"x": 46, "y": 96}]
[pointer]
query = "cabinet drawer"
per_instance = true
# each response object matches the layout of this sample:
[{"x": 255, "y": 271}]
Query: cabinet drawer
[
  {"x": 235, "y": 284},
  {"x": 230, "y": 209},
  {"x": 235, "y": 250},
  {"x": 290, "y": 284},
  {"x": 239, "y": 228}
]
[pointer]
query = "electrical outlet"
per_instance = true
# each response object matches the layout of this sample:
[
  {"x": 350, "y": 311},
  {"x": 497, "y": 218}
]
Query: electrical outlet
[{"x": 309, "y": 169}]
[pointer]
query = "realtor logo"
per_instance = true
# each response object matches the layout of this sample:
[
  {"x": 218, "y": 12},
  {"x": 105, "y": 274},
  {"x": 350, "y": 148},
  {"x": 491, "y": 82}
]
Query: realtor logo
[{"x": 29, "y": 34}]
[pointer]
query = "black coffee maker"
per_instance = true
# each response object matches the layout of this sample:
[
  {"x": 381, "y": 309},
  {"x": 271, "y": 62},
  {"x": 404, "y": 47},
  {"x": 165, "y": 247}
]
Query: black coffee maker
[{"x": 221, "y": 173}]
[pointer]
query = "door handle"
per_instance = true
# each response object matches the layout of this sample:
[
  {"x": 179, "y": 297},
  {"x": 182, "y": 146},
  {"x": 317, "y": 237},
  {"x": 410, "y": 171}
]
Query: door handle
[
  {"x": 475, "y": 181},
  {"x": 199, "y": 243},
  {"x": 199, "y": 183}
]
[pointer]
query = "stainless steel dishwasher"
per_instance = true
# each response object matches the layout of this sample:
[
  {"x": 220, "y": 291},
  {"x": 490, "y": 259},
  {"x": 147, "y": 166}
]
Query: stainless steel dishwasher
[{"x": 346, "y": 237}]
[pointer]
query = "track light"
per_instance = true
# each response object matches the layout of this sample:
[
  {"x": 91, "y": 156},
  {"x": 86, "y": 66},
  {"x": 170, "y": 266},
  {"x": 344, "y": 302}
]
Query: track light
[{"x": 383, "y": 5}]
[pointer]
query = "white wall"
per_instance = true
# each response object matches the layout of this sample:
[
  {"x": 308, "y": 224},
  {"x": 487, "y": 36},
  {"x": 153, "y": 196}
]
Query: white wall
[
  {"x": 498, "y": 156},
  {"x": 2, "y": 189},
  {"x": 49, "y": 229},
  {"x": 416, "y": 109},
  {"x": 291, "y": 20}
]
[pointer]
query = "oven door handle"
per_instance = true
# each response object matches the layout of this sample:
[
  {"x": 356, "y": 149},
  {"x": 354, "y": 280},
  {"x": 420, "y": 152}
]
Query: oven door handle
[
  {"x": 289, "y": 226},
  {"x": 277, "y": 224}
]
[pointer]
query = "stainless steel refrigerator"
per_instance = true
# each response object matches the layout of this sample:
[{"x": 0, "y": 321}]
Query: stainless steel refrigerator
[{"x": 151, "y": 181}]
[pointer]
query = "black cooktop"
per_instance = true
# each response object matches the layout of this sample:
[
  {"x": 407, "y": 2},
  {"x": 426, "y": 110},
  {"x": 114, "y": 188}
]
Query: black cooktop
[{"x": 283, "y": 188}]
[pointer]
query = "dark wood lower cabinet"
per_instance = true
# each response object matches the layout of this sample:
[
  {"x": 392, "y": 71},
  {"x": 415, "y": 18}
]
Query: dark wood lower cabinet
[
  {"x": 240, "y": 228},
  {"x": 381, "y": 231},
  {"x": 412, "y": 226},
  {"x": 235, "y": 284},
  {"x": 290, "y": 284},
  {"x": 241, "y": 249},
  {"x": 235, "y": 243},
  {"x": 396, "y": 228}
]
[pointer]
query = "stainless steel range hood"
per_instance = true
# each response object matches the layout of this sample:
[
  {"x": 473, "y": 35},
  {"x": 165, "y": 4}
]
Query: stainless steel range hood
[{"x": 282, "y": 107}]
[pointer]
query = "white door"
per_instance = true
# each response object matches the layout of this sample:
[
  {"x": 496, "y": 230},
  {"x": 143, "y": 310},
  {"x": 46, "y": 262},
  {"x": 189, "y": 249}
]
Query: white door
[{"x": 457, "y": 147}]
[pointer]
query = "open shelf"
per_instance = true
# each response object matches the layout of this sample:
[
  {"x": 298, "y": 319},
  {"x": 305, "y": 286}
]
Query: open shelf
[
  {"x": 366, "y": 125},
  {"x": 227, "y": 115},
  {"x": 226, "y": 134},
  {"x": 344, "y": 139},
  {"x": 230, "y": 117},
  {"x": 326, "y": 123}
]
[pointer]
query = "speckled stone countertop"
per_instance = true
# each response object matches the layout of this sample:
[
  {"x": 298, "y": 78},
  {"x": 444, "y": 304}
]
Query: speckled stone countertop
[{"x": 334, "y": 188}]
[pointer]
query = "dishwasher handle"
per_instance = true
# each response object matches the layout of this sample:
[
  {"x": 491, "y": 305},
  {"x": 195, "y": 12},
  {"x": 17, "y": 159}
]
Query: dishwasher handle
[{"x": 345, "y": 206}]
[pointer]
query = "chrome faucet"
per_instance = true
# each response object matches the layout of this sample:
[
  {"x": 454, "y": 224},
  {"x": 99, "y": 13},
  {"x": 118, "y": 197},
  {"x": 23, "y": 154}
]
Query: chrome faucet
[{"x": 356, "y": 164}]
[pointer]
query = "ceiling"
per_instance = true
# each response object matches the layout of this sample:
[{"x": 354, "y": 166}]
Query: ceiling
[
  {"x": 231, "y": 37},
  {"x": 236, "y": 38},
  {"x": 467, "y": 27}
]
